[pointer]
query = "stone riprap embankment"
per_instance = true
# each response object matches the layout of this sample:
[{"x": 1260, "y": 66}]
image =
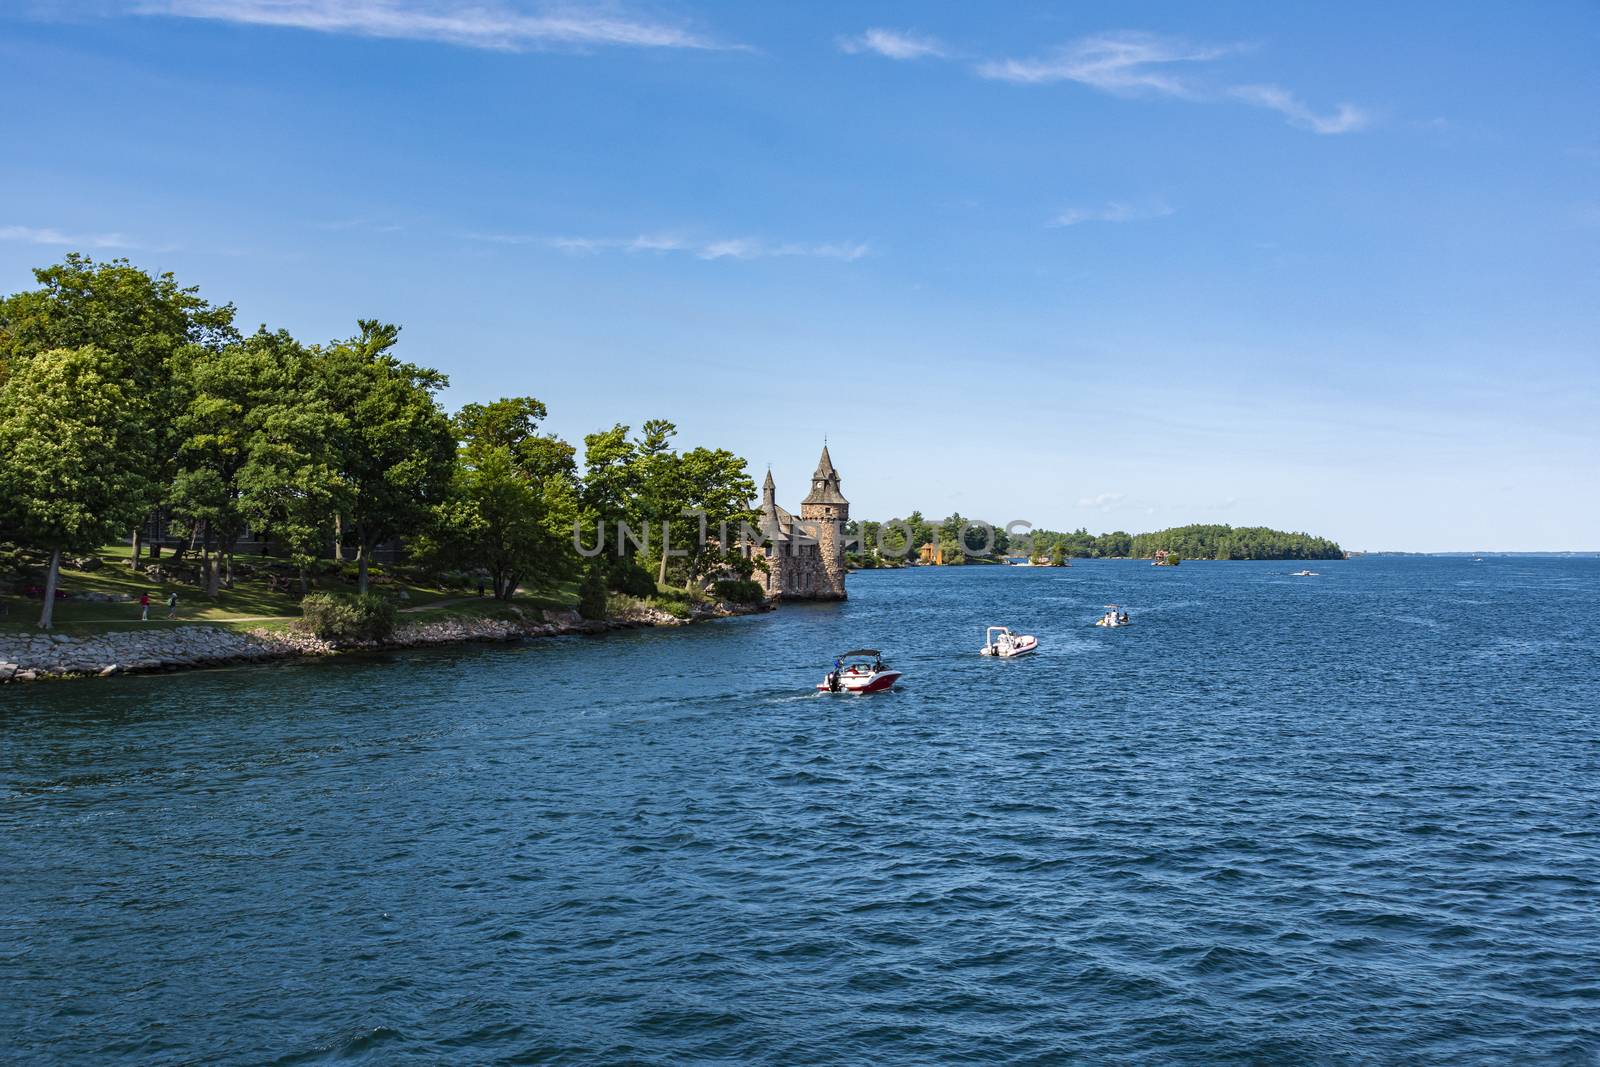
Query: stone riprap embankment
[{"x": 30, "y": 657}]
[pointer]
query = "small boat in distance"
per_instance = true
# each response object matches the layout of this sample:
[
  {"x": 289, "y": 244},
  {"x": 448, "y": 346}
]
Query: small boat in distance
[
  {"x": 1113, "y": 617},
  {"x": 1305, "y": 574},
  {"x": 861, "y": 670},
  {"x": 1001, "y": 642}
]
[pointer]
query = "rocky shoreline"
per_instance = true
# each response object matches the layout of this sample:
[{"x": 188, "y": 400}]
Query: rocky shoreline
[{"x": 37, "y": 657}]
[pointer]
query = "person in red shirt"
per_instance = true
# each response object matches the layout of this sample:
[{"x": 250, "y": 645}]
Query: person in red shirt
[{"x": 144, "y": 608}]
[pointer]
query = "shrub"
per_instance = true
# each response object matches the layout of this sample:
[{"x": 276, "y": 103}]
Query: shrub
[
  {"x": 592, "y": 594},
  {"x": 15, "y": 562},
  {"x": 740, "y": 592},
  {"x": 675, "y": 601},
  {"x": 349, "y": 617},
  {"x": 631, "y": 579},
  {"x": 351, "y": 572}
]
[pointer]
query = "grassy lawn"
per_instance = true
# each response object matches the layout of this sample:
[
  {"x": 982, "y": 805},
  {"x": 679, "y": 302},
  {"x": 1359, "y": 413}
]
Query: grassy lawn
[
  {"x": 247, "y": 605},
  {"x": 558, "y": 598}
]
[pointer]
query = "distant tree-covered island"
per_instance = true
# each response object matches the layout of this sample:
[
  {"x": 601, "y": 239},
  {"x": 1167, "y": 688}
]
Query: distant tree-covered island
[
  {"x": 1197, "y": 541},
  {"x": 960, "y": 540}
]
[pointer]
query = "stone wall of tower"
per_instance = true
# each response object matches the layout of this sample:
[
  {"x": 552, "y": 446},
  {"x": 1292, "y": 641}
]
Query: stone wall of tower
[
  {"x": 803, "y": 575},
  {"x": 827, "y": 522}
]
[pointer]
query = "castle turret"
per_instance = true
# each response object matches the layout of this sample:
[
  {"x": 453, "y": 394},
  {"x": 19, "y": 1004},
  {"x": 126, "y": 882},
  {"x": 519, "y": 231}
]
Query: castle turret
[{"x": 827, "y": 510}]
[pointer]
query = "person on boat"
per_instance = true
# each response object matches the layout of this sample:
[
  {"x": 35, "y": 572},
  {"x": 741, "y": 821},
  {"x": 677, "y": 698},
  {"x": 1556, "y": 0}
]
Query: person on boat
[{"x": 1122, "y": 620}]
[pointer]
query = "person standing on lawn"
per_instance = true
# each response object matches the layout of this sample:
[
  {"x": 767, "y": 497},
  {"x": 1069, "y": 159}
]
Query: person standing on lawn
[
  {"x": 144, "y": 607},
  {"x": 172, "y": 604}
]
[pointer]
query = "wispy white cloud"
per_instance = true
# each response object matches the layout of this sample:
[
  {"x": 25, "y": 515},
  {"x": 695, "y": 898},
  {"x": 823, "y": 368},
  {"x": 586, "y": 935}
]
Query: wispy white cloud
[
  {"x": 488, "y": 24},
  {"x": 1127, "y": 63},
  {"x": 1346, "y": 118},
  {"x": 45, "y": 236},
  {"x": 666, "y": 243},
  {"x": 894, "y": 44},
  {"x": 1115, "y": 211},
  {"x": 1141, "y": 64},
  {"x": 1109, "y": 502}
]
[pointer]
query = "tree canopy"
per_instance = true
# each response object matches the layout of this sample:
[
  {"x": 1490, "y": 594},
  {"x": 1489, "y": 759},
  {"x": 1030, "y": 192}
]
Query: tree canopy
[
  {"x": 128, "y": 401},
  {"x": 74, "y": 436}
]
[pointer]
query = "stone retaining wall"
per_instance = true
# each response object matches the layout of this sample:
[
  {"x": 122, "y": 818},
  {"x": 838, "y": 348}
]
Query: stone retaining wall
[{"x": 30, "y": 657}]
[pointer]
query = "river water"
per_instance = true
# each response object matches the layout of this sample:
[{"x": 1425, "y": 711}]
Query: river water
[{"x": 1345, "y": 819}]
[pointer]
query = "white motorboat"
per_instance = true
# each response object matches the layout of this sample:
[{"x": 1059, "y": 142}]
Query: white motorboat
[
  {"x": 1114, "y": 617},
  {"x": 1001, "y": 642},
  {"x": 859, "y": 671},
  {"x": 1305, "y": 574}
]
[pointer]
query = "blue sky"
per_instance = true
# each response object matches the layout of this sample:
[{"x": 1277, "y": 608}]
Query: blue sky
[{"x": 1333, "y": 268}]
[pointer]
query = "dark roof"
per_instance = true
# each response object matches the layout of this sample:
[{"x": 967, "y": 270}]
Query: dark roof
[
  {"x": 860, "y": 652},
  {"x": 776, "y": 523},
  {"x": 825, "y": 483}
]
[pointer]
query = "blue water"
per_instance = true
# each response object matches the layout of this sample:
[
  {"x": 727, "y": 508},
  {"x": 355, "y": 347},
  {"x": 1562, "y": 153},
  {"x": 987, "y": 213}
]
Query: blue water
[{"x": 1345, "y": 819}]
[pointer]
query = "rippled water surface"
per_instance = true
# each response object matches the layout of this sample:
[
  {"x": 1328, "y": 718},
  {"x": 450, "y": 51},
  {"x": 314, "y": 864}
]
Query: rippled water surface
[{"x": 1352, "y": 818}]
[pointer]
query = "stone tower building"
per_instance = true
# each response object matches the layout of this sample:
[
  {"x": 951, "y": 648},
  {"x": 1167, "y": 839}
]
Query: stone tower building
[
  {"x": 804, "y": 557},
  {"x": 826, "y": 506}
]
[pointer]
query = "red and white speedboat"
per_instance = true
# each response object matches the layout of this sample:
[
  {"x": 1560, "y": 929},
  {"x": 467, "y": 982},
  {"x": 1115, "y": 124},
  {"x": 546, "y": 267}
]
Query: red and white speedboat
[
  {"x": 859, "y": 671},
  {"x": 1001, "y": 642}
]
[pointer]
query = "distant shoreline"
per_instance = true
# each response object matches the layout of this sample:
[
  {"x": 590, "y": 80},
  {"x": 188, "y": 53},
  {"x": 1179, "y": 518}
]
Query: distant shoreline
[{"x": 1544, "y": 554}]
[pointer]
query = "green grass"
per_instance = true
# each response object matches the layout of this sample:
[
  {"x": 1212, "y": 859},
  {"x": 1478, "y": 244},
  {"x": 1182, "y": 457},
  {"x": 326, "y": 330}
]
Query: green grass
[
  {"x": 248, "y": 605},
  {"x": 560, "y": 597}
]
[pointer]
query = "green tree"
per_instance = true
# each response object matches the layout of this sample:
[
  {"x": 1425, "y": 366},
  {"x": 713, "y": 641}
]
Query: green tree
[
  {"x": 74, "y": 440},
  {"x": 715, "y": 485},
  {"x": 395, "y": 450},
  {"x": 660, "y": 488},
  {"x": 248, "y": 437},
  {"x": 289, "y": 485},
  {"x": 147, "y": 321},
  {"x": 1113, "y": 545},
  {"x": 513, "y": 500},
  {"x": 609, "y": 485},
  {"x": 592, "y": 592}
]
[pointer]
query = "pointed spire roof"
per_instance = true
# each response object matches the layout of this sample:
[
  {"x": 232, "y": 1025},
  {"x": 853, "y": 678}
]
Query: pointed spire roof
[
  {"x": 769, "y": 486},
  {"x": 825, "y": 483}
]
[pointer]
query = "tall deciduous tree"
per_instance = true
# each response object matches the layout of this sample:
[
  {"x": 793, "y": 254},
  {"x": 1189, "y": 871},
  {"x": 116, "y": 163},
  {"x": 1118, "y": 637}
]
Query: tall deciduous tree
[
  {"x": 714, "y": 484},
  {"x": 254, "y": 433},
  {"x": 291, "y": 486},
  {"x": 609, "y": 483},
  {"x": 514, "y": 499},
  {"x": 395, "y": 449},
  {"x": 74, "y": 441},
  {"x": 147, "y": 321}
]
